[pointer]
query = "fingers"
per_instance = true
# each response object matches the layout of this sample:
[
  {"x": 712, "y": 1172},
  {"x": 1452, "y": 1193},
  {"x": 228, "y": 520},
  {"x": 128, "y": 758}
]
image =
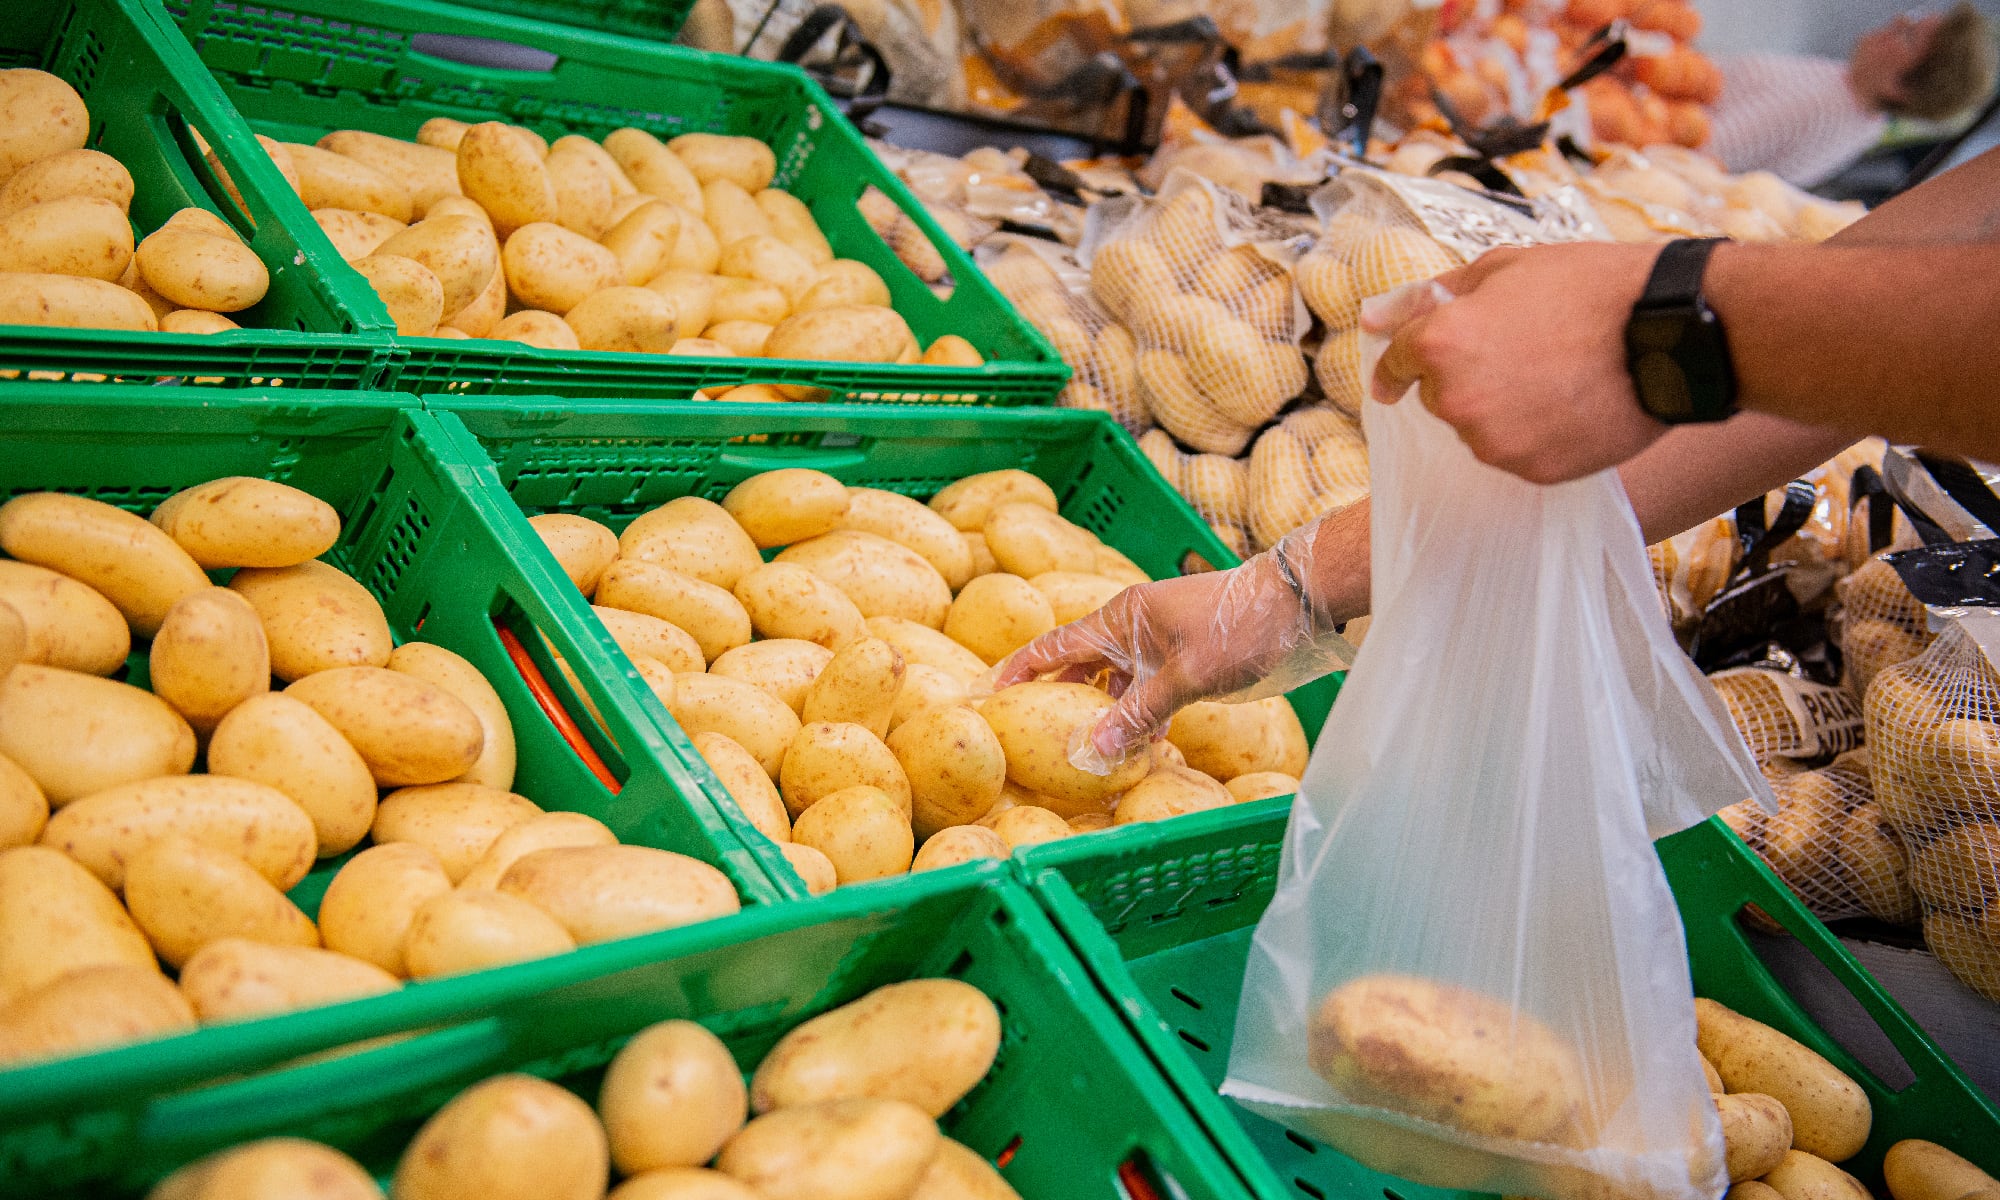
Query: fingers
[
  {"x": 1081, "y": 643},
  {"x": 1400, "y": 364},
  {"x": 1132, "y": 724},
  {"x": 1390, "y": 311},
  {"x": 1462, "y": 280}
]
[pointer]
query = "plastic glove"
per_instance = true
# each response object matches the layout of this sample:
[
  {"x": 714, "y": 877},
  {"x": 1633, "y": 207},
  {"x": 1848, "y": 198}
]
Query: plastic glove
[{"x": 1241, "y": 634}]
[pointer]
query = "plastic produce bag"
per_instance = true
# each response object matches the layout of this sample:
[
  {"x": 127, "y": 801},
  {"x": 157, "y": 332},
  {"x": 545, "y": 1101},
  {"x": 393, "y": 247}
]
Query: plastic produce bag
[{"x": 1473, "y": 973}]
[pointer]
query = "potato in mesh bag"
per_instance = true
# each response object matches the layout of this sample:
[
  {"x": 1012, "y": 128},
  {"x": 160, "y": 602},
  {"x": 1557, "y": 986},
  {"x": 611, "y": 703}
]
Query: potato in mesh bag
[
  {"x": 1778, "y": 714},
  {"x": 1881, "y": 623},
  {"x": 1180, "y": 408},
  {"x": 1053, "y": 296},
  {"x": 1833, "y": 846}
]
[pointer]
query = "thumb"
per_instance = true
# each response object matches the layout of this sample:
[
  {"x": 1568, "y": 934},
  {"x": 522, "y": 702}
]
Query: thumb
[{"x": 1131, "y": 725}]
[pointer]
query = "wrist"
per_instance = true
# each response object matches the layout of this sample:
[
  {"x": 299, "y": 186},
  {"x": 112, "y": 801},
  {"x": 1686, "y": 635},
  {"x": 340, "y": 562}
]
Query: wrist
[{"x": 1676, "y": 349}]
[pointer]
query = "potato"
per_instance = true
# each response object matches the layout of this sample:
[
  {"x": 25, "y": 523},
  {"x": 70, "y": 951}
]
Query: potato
[
  {"x": 777, "y": 508},
  {"x": 682, "y": 1183},
  {"x": 908, "y": 523},
  {"x": 185, "y": 894},
  {"x": 1073, "y": 595},
  {"x": 505, "y": 176},
  {"x": 329, "y": 180},
  {"x": 1804, "y": 1176},
  {"x": 233, "y": 978},
  {"x": 368, "y": 906},
  {"x": 68, "y": 174},
  {"x": 843, "y": 283},
  {"x": 1170, "y": 792},
  {"x": 1447, "y": 1054},
  {"x": 439, "y": 666},
  {"x": 427, "y": 173},
  {"x": 546, "y": 330},
  {"x": 1967, "y": 948},
  {"x": 1960, "y": 870},
  {"x": 24, "y": 810},
  {"x": 745, "y": 713},
  {"x": 410, "y": 291},
  {"x": 193, "y": 320},
  {"x": 792, "y": 221},
  {"x": 954, "y": 766},
  {"x": 461, "y": 931},
  {"x": 862, "y": 830},
  {"x": 842, "y": 333},
  {"x": 72, "y": 302},
  {"x": 76, "y": 734},
  {"x": 784, "y": 667},
  {"x": 925, "y": 1042},
  {"x": 461, "y": 251},
  {"x": 482, "y": 316},
  {"x": 1036, "y": 724},
  {"x": 63, "y": 623},
  {"x": 925, "y": 688},
  {"x": 407, "y": 730},
  {"x": 695, "y": 537},
  {"x": 1029, "y": 825},
  {"x": 859, "y": 684},
  {"x": 653, "y": 168},
  {"x": 209, "y": 656},
  {"x": 922, "y": 645},
  {"x": 880, "y": 576},
  {"x": 543, "y": 831},
  {"x": 13, "y": 638},
  {"x": 643, "y": 241},
  {"x": 78, "y": 235},
  {"x": 743, "y": 161},
  {"x": 952, "y": 350},
  {"x": 1830, "y": 1113},
  {"x": 602, "y": 892},
  {"x": 1090, "y": 822},
  {"x": 241, "y": 521},
  {"x": 766, "y": 259},
  {"x": 442, "y": 132},
  {"x": 57, "y": 917},
  {"x": 958, "y": 1173},
  {"x": 282, "y": 743},
  {"x": 714, "y": 617},
  {"x": 458, "y": 822},
  {"x": 996, "y": 615},
  {"x": 626, "y": 319},
  {"x": 551, "y": 268},
  {"x": 813, "y": 867},
  {"x": 1028, "y": 540},
  {"x": 643, "y": 636},
  {"x": 131, "y": 563},
  {"x": 744, "y": 779},
  {"x": 826, "y": 757},
  {"x": 276, "y": 1168},
  {"x": 732, "y": 215},
  {"x": 860, "y": 1149},
  {"x": 696, "y": 347},
  {"x": 583, "y": 190},
  {"x": 1918, "y": 1170},
  {"x": 259, "y": 824},
  {"x": 1261, "y": 785},
  {"x": 692, "y": 295},
  {"x": 1756, "y": 1133},
  {"x": 737, "y": 298},
  {"x": 356, "y": 234},
  {"x": 696, "y": 250},
  {"x": 958, "y": 844},
  {"x": 91, "y": 1008},
  {"x": 971, "y": 502},
  {"x": 1227, "y": 740},
  {"x": 40, "y": 115},
  {"x": 785, "y": 600},
  {"x": 511, "y": 1137},
  {"x": 671, "y": 1097},
  {"x": 1877, "y": 865}
]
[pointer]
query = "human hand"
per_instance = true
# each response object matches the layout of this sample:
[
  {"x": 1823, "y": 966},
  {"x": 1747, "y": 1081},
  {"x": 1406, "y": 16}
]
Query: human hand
[
  {"x": 1240, "y": 634},
  {"x": 1527, "y": 361}
]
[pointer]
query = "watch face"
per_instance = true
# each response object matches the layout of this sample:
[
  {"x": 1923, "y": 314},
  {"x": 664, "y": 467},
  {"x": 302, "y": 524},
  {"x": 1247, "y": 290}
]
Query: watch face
[{"x": 1652, "y": 343}]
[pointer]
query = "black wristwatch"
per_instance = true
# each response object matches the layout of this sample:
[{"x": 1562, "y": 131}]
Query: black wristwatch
[{"x": 1674, "y": 345}]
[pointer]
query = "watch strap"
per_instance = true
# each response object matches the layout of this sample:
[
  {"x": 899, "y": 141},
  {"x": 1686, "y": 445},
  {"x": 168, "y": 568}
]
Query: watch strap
[{"x": 1676, "y": 277}]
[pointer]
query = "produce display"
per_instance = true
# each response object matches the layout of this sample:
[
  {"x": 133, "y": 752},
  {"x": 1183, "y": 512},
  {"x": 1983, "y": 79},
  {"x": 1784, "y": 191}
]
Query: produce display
[
  {"x": 118, "y": 864},
  {"x": 68, "y": 252},
  {"x": 835, "y": 690},
  {"x": 846, "y": 1105}
]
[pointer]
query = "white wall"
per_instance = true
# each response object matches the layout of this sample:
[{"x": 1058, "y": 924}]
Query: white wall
[{"x": 1804, "y": 26}]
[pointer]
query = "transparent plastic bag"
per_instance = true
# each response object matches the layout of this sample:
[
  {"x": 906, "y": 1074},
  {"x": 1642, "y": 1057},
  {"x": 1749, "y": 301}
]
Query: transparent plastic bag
[{"x": 1473, "y": 973}]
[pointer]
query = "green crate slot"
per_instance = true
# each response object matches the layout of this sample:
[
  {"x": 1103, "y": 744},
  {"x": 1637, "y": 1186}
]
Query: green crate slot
[
  {"x": 1168, "y": 922},
  {"x": 413, "y": 536},
  {"x": 316, "y": 328},
  {"x": 1070, "y": 1090},
  {"x": 653, "y": 20},
  {"x": 310, "y": 66},
  {"x": 612, "y": 462}
]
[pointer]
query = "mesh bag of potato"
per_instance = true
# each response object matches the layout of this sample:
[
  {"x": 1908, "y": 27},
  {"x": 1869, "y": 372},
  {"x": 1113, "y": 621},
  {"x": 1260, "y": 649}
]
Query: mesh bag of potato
[
  {"x": 1206, "y": 291},
  {"x": 1048, "y": 287},
  {"x": 1830, "y": 841},
  {"x": 1934, "y": 738},
  {"x": 1881, "y": 624},
  {"x": 1312, "y": 461},
  {"x": 1472, "y": 972}
]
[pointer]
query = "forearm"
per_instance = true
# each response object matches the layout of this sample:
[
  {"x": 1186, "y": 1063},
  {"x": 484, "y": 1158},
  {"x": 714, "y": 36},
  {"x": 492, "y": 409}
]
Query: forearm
[
  {"x": 1903, "y": 341},
  {"x": 1957, "y": 206}
]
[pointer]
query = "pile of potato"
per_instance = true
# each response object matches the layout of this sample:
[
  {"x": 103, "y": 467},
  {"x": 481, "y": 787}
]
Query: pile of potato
[
  {"x": 116, "y": 859},
  {"x": 489, "y": 231},
  {"x": 844, "y": 1107},
  {"x": 67, "y": 250},
  {"x": 833, "y": 690}
]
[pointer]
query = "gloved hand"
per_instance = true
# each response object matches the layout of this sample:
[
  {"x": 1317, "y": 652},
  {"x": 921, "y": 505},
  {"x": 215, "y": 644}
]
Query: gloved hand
[{"x": 1256, "y": 630}]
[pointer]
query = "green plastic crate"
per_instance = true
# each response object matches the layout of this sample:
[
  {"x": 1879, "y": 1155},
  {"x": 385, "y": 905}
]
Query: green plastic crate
[
  {"x": 445, "y": 575},
  {"x": 1167, "y": 930},
  {"x": 612, "y": 462},
  {"x": 1072, "y": 1101},
  {"x": 653, "y": 20},
  {"x": 309, "y": 66},
  {"x": 144, "y": 90}
]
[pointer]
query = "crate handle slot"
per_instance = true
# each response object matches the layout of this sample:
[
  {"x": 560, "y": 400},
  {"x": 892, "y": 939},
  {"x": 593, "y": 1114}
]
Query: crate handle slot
[
  {"x": 766, "y": 458},
  {"x": 490, "y": 54},
  {"x": 545, "y": 696}
]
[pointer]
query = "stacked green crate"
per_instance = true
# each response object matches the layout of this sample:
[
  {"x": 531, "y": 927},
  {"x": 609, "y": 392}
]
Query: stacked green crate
[
  {"x": 299, "y": 70},
  {"x": 319, "y": 326}
]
